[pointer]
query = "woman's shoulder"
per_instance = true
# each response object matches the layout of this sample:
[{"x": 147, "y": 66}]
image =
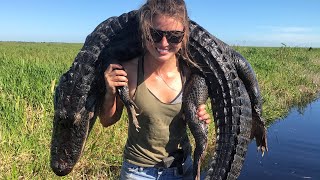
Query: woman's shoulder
[
  {"x": 131, "y": 67},
  {"x": 131, "y": 64}
]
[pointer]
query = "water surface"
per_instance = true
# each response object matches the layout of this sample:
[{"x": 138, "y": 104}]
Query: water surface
[{"x": 294, "y": 148}]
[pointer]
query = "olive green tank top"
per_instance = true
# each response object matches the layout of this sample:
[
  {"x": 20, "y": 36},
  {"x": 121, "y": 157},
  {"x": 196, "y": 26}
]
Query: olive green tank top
[{"x": 162, "y": 131}]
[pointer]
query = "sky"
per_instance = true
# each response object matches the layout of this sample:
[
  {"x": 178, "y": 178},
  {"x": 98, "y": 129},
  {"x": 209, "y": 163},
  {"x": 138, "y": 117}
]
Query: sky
[{"x": 294, "y": 23}]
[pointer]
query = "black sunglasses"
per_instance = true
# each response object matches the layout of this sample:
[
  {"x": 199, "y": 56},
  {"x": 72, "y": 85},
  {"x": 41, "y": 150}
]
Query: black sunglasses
[{"x": 171, "y": 36}]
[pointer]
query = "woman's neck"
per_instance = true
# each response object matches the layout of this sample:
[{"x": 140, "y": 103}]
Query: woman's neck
[{"x": 164, "y": 68}]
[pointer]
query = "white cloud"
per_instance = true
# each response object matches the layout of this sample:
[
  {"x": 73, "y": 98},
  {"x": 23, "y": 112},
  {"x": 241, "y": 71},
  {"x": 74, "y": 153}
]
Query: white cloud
[
  {"x": 288, "y": 37},
  {"x": 291, "y": 36},
  {"x": 289, "y": 29}
]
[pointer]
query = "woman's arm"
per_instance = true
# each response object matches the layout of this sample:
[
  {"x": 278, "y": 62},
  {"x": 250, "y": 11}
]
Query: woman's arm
[
  {"x": 203, "y": 115},
  {"x": 111, "y": 108}
]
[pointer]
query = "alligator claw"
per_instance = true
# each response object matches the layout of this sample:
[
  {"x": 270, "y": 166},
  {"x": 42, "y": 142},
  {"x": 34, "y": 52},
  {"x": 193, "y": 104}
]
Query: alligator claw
[{"x": 259, "y": 132}]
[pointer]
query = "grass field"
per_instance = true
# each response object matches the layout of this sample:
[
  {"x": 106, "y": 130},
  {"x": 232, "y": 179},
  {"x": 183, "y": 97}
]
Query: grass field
[{"x": 30, "y": 71}]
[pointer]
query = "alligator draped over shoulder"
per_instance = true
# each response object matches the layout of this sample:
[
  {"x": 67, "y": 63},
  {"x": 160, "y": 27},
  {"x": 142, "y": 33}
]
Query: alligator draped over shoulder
[{"x": 224, "y": 74}]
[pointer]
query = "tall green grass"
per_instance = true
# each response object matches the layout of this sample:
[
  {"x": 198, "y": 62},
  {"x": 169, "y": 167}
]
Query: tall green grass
[
  {"x": 287, "y": 77},
  {"x": 27, "y": 72},
  {"x": 30, "y": 71}
]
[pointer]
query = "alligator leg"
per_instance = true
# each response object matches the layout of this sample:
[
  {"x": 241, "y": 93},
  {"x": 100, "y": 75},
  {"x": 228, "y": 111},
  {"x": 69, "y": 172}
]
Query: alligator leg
[
  {"x": 123, "y": 93},
  {"x": 196, "y": 93}
]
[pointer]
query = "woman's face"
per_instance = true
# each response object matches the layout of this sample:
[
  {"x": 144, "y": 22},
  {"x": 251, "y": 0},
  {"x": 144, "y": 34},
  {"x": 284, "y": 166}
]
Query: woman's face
[{"x": 165, "y": 50}]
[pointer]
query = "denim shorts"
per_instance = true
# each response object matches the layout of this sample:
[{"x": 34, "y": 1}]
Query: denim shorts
[{"x": 134, "y": 172}]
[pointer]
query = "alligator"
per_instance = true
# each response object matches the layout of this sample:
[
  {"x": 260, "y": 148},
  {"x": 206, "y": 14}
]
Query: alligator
[{"x": 230, "y": 82}]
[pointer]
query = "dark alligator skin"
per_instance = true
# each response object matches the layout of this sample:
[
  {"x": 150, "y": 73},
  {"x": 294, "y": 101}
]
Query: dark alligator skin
[
  {"x": 232, "y": 87},
  {"x": 123, "y": 93},
  {"x": 195, "y": 94}
]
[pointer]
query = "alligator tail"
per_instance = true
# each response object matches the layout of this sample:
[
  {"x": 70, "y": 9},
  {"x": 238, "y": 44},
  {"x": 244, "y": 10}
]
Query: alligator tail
[
  {"x": 230, "y": 104},
  {"x": 248, "y": 77}
]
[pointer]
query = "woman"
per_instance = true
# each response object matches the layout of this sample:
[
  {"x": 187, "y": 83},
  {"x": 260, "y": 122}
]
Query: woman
[{"x": 161, "y": 148}]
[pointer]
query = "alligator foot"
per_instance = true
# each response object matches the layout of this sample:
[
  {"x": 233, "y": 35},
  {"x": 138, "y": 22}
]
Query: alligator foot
[
  {"x": 199, "y": 152},
  {"x": 123, "y": 93},
  {"x": 132, "y": 113},
  {"x": 258, "y": 132}
]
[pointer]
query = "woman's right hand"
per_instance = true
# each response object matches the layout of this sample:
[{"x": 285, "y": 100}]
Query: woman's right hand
[{"x": 115, "y": 76}]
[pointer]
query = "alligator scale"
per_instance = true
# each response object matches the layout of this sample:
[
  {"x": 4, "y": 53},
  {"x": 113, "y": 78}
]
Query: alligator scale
[{"x": 223, "y": 75}]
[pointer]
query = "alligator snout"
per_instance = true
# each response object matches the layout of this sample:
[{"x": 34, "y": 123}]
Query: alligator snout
[{"x": 61, "y": 168}]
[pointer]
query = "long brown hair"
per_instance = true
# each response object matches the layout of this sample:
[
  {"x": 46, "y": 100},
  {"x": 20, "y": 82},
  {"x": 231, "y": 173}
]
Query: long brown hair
[{"x": 172, "y": 8}]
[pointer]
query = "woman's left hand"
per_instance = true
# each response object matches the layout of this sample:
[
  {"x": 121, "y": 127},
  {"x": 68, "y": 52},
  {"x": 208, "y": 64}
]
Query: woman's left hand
[{"x": 202, "y": 114}]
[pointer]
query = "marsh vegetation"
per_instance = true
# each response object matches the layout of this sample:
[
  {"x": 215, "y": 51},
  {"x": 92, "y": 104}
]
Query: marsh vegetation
[{"x": 29, "y": 72}]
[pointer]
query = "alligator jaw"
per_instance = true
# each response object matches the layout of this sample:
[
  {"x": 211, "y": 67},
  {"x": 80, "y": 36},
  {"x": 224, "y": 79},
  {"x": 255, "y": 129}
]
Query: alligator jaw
[
  {"x": 68, "y": 140},
  {"x": 61, "y": 168}
]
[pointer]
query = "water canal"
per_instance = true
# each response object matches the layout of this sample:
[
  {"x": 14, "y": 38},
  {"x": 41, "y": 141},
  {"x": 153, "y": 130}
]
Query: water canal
[{"x": 294, "y": 148}]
